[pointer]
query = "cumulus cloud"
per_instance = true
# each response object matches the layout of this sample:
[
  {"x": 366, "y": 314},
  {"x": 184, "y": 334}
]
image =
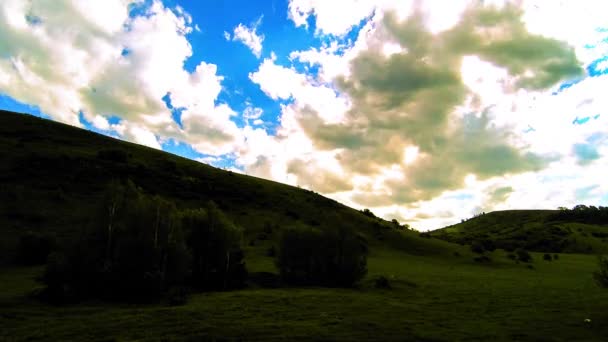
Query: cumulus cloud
[
  {"x": 435, "y": 104},
  {"x": 72, "y": 57},
  {"x": 248, "y": 35}
]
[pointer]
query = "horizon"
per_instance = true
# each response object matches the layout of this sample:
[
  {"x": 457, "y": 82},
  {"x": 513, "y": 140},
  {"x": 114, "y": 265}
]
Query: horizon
[{"x": 421, "y": 113}]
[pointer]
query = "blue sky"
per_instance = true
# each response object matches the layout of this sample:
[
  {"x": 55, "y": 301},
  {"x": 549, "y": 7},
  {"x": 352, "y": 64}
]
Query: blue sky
[{"x": 340, "y": 97}]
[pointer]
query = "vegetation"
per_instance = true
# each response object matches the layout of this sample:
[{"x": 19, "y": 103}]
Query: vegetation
[
  {"x": 601, "y": 275},
  {"x": 314, "y": 257},
  {"x": 137, "y": 250},
  {"x": 580, "y": 230}
]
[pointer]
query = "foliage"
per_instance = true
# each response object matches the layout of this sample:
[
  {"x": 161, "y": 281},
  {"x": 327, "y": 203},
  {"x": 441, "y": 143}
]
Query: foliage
[
  {"x": 136, "y": 250},
  {"x": 601, "y": 275},
  {"x": 523, "y": 255},
  {"x": 584, "y": 214},
  {"x": 315, "y": 257},
  {"x": 477, "y": 247},
  {"x": 382, "y": 282},
  {"x": 547, "y": 257},
  {"x": 217, "y": 258}
]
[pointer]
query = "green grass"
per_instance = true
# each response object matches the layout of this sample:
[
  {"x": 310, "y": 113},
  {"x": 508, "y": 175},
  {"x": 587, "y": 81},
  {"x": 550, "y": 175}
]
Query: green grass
[
  {"x": 433, "y": 298},
  {"x": 537, "y": 230}
]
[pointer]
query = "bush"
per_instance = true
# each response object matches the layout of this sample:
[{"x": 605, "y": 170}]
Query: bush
[
  {"x": 547, "y": 257},
  {"x": 137, "y": 250},
  {"x": 601, "y": 275},
  {"x": 382, "y": 282},
  {"x": 482, "y": 259},
  {"x": 34, "y": 248},
  {"x": 477, "y": 247},
  {"x": 555, "y": 256},
  {"x": 215, "y": 243},
  {"x": 523, "y": 255},
  {"x": 328, "y": 258}
]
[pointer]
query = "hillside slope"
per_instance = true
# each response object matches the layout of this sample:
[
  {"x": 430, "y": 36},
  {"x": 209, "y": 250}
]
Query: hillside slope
[
  {"x": 535, "y": 230},
  {"x": 52, "y": 177}
]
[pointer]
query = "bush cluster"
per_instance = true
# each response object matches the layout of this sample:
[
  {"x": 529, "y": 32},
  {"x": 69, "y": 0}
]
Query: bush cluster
[
  {"x": 140, "y": 248},
  {"x": 327, "y": 258}
]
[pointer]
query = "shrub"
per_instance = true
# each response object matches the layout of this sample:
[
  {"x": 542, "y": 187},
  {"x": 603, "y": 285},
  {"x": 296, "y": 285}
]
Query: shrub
[
  {"x": 215, "y": 244},
  {"x": 512, "y": 256},
  {"x": 137, "y": 251},
  {"x": 523, "y": 255},
  {"x": 555, "y": 256},
  {"x": 34, "y": 248},
  {"x": 601, "y": 275},
  {"x": 315, "y": 257},
  {"x": 382, "y": 282},
  {"x": 477, "y": 247},
  {"x": 425, "y": 235},
  {"x": 547, "y": 257},
  {"x": 482, "y": 259}
]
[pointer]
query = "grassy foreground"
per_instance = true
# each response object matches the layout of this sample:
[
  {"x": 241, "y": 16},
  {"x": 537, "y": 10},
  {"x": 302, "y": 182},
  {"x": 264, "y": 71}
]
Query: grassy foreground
[{"x": 432, "y": 299}]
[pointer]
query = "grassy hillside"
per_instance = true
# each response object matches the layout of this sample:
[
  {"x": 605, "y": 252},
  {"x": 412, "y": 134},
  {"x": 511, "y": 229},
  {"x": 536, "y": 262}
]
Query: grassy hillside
[
  {"x": 536, "y": 230},
  {"x": 53, "y": 176}
]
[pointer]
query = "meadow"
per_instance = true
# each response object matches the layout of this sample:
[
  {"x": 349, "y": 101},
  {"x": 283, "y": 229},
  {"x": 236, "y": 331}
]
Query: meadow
[{"x": 430, "y": 299}]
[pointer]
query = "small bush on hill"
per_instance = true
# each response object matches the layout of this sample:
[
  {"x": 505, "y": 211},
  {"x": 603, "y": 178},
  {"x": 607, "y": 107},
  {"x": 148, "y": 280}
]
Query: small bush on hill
[
  {"x": 382, "y": 282},
  {"x": 477, "y": 247},
  {"x": 523, "y": 255},
  {"x": 547, "y": 257},
  {"x": 482, "y": 259},
  {"x": 327, "y": 258}
]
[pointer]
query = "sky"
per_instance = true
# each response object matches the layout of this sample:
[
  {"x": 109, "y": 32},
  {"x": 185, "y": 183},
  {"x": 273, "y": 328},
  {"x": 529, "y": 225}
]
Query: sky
[{"x": 427, "y": 112}]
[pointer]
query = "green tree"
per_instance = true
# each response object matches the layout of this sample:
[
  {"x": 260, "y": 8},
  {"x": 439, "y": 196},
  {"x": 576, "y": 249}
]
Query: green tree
[
  {"x": 315, "y": 257},
  {"x": 215, "y": 242}
]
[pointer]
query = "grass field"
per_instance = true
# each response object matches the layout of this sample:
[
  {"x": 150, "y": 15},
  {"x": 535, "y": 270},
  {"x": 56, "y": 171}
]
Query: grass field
[{"x": 432, "y": 299}]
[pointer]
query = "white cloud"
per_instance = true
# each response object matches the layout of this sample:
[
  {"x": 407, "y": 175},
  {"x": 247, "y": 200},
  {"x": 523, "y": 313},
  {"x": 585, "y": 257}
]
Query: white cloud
[
  {"x": 248, "y": 35},
  {"x": 73, "y": 56}
]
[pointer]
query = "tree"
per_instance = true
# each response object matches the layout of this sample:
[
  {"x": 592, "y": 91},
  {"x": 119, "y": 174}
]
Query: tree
[
  {"x": 134, "y": 250},
  {"x": 215, "y": 242},
  {"x": 523, "y": 255},
  {"x": 315, "y": 257},
  {"x": 601, "y": 275}
]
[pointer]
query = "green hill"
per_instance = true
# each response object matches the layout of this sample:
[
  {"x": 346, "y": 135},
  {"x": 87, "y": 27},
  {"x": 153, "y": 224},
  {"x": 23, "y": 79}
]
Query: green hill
[
  {"x": 53, "y": 177},
  {"x": 552, "y": 231}
]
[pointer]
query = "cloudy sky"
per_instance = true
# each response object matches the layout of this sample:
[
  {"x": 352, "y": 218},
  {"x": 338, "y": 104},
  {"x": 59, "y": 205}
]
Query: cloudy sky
[{"x": 423, "y": 111}]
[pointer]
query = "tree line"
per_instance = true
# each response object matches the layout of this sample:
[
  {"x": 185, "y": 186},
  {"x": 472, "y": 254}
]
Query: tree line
[{"x": 140, "y": 247}]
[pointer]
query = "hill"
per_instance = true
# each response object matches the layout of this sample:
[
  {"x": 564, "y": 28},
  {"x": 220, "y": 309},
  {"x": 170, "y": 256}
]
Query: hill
[
  {"x": 580, "y": 230},
  {"x": 53, "y": 176}
]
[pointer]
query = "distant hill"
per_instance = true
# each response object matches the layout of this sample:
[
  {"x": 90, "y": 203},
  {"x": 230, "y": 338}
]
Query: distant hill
[
  {"x": 581, "y": 230},
  {"x": 52, "y": 177}
]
